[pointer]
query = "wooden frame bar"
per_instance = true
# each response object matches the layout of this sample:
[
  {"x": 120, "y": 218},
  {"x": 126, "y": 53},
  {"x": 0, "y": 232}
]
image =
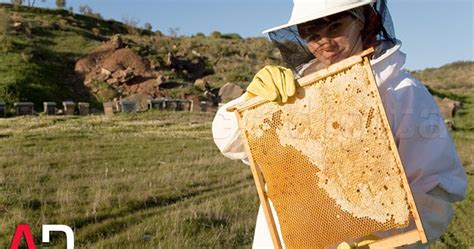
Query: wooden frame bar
[
  {"x": 308, "y": 79},
  {"x": 260, "y": 184},
  {"x": 401, "y": 239},
  {"x": 406, "y": 185}
]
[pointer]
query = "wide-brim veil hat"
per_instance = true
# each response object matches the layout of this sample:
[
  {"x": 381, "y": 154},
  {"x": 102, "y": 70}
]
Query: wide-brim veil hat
[
  {"x": 293, "y": 48},
  {"x": 307, "y": 10}
]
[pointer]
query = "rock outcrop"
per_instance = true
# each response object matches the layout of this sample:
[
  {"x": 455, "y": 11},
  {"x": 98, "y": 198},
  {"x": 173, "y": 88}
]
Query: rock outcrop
[{"x": 119, "y": 70}]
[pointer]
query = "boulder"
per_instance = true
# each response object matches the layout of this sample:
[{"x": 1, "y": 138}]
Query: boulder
[
  {"x": 201, "y": 84},
  {"x": 105, "y": 72},
  {"x": 124, "y": 58},
  {"x": 469, "y": 169},
  {"x": 117, "y": 41},
  {"x": 84, "y": 65},
  {"x": 229, "y": 91},
  {"x": 102, "y": 77},
  {"x": 447, "y": 107},
  {"x": 123, "y": 76}
]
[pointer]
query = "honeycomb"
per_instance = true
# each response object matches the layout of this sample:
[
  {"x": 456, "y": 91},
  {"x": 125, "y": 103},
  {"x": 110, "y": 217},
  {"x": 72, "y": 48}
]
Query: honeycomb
[{"x": 327, "y": 160}]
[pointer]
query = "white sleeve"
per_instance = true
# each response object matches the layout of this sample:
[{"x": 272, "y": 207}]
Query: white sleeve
[
  {"x": 226, "y": 132},
  {"x": 436, "y": 212},
  {"x": 423, "y": 142}
]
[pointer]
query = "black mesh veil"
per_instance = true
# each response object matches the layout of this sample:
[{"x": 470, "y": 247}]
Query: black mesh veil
[
  {"x": 377, "y": 23},
  {"x": 388, "y": 30},
  {"x": 293, "y": 48}
]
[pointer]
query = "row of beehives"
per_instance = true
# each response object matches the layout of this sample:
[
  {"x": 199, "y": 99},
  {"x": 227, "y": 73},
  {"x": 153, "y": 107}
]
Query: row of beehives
[
  {"x": 49, "y": 108},
  {"x": 128, "y": 106}
]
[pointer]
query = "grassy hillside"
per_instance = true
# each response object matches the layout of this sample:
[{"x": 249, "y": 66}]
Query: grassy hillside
[
  {"x": 38, "y": 56},
  {"x": 457, "y": 77},
  {"x": 37, "y": 61}
]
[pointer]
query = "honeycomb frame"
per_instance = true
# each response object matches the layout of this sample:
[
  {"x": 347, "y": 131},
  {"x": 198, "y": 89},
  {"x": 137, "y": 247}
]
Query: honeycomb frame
[{"x": 289, "y": 161}]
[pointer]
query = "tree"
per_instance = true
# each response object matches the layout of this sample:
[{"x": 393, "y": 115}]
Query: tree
[
  {"x": 60, "y": 4},
  {"x": 147, "y": 26}
]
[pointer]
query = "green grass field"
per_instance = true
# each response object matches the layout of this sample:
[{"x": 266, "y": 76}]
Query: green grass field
[
  {"x": 148, "y": 180},
  {"x": 461, "y": 231}
]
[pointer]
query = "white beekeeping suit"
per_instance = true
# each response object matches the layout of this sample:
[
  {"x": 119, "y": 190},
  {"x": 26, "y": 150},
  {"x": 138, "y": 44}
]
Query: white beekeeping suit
[{"x": 433, "y": 169}]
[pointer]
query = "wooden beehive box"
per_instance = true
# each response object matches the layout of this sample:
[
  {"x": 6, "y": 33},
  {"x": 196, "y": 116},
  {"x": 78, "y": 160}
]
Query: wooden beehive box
[
  {"x": 327, "y": 161},
  {"x": 171, "y": 104},
  {"x": 128, "y": 106},
  {"x": 184, "y": 105},
  {"x": 156, "y": 104},
  {"x": 24, "y": 108},
  {"x": 49, "y": 108},
  {"x": 69, "y": 107},
  {"x": 109, "y": 108},
  {"x": 84, "y": 108}
]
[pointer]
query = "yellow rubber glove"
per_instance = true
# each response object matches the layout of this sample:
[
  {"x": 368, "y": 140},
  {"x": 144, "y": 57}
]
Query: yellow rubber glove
[{"x": 273, "y": 83}]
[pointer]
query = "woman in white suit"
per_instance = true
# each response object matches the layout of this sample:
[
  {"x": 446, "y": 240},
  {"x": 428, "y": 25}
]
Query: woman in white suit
[{"x": 322, "y": 32}]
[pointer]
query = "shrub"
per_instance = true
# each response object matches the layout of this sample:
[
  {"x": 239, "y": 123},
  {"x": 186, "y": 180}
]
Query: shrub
[
  {"x": 63, "y": 23},
  {"x": 233, "y": 36},
  {"x": 200, "y": 34},
  {"x": 216, "y": 34},
  {"x": 103, "y": 91},
  {"x": 147, "y": 26},
  {"x": 96, "y": 31},
  {"x": 158, "y": 33}
]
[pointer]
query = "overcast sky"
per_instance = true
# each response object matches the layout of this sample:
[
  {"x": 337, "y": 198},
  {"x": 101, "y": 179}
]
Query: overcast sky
[{"x": 433, "y": 32}]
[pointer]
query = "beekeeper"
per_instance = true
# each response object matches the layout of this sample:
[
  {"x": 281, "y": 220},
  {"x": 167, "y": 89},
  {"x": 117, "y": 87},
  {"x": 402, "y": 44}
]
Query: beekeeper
[{"x": 322, "y": 32}]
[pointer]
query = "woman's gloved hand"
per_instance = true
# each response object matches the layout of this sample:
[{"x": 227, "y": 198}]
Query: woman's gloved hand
[{"x": 273, "y": 83}]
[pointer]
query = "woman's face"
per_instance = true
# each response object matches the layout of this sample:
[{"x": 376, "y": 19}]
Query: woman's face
[{"x": 331, "y": 41}]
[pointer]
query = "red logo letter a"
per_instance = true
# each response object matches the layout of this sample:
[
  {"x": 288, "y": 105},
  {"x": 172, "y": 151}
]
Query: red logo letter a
[{"x": 22, "y": 229}]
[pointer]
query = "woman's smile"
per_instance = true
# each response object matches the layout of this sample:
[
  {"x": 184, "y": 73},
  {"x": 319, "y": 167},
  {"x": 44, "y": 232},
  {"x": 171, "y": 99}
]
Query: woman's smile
[{"x": 332, "y": 56}]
